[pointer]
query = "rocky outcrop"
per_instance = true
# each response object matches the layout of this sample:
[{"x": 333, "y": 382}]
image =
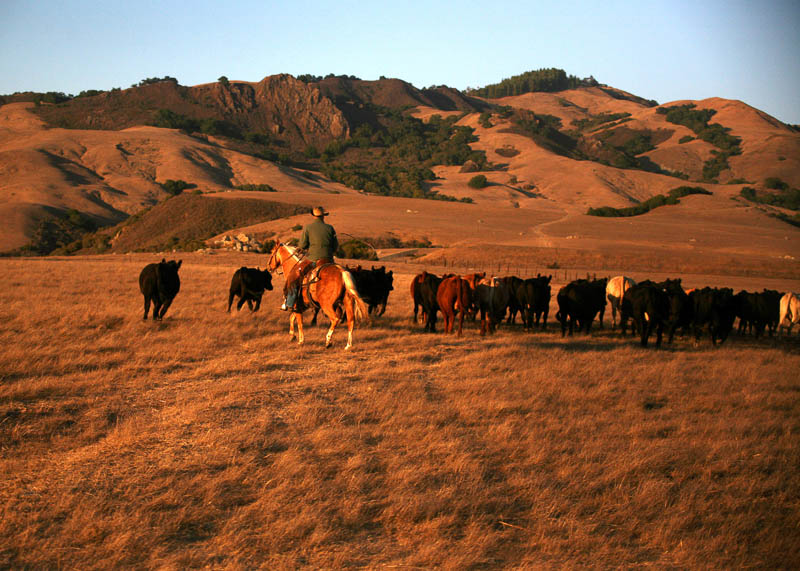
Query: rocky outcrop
[
  {"x": 241, "y": 243},
  {"x": 280, "y": 105},
  {"x": 293, "y": 105}
]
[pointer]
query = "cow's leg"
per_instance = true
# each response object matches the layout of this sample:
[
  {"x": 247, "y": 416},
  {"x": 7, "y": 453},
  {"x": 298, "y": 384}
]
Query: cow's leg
[
  {"x": 644, "y": 326},
  {"x": 165, "y": 307},
  {"x": 156, "y": 308},
  {"x": 240, "y": 303},
  {"x": 258, "y": 304},
  {"x": 659, "y": 334},
  {"x": 231, "y": 295},
  {"x": 147, "y": 307}
]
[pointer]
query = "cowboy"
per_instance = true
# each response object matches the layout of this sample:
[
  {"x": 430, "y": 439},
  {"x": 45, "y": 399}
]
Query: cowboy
[{"x": 320, "y": 243}]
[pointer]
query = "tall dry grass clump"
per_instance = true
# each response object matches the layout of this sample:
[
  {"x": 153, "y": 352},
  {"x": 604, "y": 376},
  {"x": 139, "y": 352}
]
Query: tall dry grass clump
[{"x": 209, "y": 440}]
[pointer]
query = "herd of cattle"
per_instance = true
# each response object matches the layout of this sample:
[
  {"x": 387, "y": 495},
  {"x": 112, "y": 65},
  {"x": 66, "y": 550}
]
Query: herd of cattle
[{"x": 650, "y": 307}]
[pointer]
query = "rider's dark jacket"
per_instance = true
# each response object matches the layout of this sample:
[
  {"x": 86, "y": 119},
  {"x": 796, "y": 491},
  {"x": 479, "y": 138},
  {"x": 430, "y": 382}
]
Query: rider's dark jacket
[{"x": 319, "y": 240}]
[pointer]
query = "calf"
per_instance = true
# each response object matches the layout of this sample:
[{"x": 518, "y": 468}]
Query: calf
[
  {"x": 160, "y": 284},
  {"x": 649, "y": 307},
  {"x": 249, "y": 284},
  {"x": 580, "y": 301}
]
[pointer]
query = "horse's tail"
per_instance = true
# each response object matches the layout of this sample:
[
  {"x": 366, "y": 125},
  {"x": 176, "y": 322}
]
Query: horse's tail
[{"x": 360, "y": 308}]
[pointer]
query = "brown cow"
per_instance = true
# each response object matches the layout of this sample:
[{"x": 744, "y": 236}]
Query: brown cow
[
  {"x": 454, "y": 296},
  {"x": 416, "y": 295}
]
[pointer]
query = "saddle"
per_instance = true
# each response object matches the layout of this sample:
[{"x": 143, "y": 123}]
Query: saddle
[{"x": 309, "y": 277}]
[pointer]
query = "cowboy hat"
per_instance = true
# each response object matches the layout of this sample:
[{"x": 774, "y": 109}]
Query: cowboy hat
[{"x": 319, "y": 211}]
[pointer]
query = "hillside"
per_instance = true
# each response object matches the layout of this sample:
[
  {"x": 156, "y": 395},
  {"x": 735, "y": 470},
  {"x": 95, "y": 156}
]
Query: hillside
[
  {"x": 189, "y": 218},
  {"x": 550, "y": 156}
]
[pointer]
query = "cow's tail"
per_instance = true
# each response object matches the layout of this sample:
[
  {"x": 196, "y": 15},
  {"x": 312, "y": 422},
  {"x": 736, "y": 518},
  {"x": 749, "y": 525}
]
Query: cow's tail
[{"x": 360, "y": 308}]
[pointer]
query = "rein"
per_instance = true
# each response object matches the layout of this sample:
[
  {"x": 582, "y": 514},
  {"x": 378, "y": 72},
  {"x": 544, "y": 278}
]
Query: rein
[{"x": 292, "y": 254}]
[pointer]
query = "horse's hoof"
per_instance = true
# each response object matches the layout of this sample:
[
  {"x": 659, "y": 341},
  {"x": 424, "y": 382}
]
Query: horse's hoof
[
  {"x": 328, "y": 345},
  {"x": 348, "y": 347}
]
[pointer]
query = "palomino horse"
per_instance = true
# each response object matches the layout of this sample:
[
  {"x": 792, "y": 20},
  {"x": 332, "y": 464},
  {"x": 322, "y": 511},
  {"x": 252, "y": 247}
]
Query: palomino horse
[
  {"x": 329, "y": 286},
  {"x": 615, "y": 290}
]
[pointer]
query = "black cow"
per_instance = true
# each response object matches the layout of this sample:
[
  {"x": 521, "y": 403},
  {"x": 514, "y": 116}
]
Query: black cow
[
  {"x": 249, "y": 284},
  {"x": 428, "y": 287},
  {"x": 533, "y": 295},
  {"x": 373, "y": 286},
  {"x": 649, "y": 306},
  {"x": 541, "y": 300},
  {"x": 714, "y": 308},
  {"x": 757, "y": 311},
  {"x": 512, "y": 283},
  {"x": 680, "y": 307},
  {"x": 580, "y": 301},
  {"x": 160, "y": 284}
]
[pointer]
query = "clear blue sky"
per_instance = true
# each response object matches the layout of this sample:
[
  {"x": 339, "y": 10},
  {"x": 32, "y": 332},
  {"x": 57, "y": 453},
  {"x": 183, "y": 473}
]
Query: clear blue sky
[{"x": 663, "y": 50}]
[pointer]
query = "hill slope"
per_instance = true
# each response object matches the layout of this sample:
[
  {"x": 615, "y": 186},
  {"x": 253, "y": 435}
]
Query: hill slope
[{"x": 554, "y": 155}]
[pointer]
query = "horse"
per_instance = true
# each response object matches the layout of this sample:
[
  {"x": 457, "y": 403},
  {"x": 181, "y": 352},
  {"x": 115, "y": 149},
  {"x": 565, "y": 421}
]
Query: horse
[
  {"x": 615, "y": 289},
  {"x": 329, "y": 286}
]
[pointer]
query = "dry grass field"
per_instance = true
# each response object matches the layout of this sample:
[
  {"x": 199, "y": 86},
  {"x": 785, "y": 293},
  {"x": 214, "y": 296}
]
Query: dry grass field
[{"x": 207, "y": 440}]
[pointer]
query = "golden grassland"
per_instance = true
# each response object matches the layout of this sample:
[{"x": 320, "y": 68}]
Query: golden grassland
[{"x": 209, "y": 440}]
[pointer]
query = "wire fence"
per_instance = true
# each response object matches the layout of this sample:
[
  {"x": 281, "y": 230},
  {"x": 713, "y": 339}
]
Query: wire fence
[{"x": 501, "y": 269}]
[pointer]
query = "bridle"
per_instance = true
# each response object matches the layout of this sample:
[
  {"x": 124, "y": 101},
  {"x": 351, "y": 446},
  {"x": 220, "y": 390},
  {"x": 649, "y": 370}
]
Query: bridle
[{"x": 279, "y": 262}]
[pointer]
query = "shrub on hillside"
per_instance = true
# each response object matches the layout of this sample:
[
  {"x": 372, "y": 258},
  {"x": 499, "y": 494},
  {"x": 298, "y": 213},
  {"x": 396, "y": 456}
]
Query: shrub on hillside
[
  {"x": 356, "y": 250},
  {"x": 656, "y": 201},
  {"x": 175, "y": 187},
  {"x": 478, "y": 181},
  {"x": 255, "y": 187},
  {"x": 785, "y": 198}
]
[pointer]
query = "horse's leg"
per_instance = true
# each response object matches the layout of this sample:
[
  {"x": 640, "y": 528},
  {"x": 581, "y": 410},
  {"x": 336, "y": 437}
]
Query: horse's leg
[
  {"x": 349, "y": 308},
  {"x": 291, "y": 326},
  {"x": 330, "y": 311},
  {"x": 299, "y": 320}
]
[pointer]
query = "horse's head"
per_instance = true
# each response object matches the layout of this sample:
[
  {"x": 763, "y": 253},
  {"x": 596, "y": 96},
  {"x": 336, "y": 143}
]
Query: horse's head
[{"x": 274, "y": 257}]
